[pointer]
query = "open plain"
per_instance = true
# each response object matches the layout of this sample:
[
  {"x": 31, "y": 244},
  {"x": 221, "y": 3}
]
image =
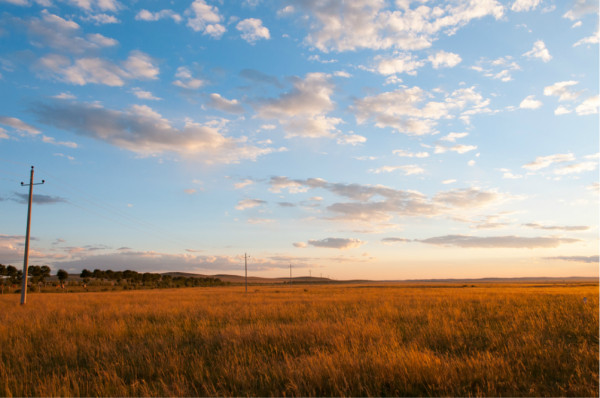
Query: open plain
[{"x": 306, "y": 340}]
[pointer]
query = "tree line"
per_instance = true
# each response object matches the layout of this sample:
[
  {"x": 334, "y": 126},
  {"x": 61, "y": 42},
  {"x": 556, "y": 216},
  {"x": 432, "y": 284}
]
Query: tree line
[{"x": 128, "y": 279}]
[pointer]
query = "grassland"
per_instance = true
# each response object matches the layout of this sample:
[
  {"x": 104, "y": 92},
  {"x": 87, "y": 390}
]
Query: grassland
[{"x": 351, "y": 340}]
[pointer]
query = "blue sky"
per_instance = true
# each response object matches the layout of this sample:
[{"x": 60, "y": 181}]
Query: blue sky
[{"x": 360, "y": 139}]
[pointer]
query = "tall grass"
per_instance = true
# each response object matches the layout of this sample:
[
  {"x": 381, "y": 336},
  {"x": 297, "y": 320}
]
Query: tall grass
[{"x": 398, "y": 340}]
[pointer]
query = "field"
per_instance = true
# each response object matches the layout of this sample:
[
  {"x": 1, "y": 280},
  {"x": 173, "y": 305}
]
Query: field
[{"x": 336, "y": 340}]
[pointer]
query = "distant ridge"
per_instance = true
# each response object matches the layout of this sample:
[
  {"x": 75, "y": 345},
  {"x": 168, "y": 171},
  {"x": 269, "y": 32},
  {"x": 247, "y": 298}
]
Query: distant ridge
[{"x": 306, "y": 279}]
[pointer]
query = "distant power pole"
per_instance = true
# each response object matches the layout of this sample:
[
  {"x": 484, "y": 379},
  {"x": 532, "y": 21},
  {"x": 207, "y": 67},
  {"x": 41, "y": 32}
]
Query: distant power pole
[
  {"x": 310, "y": 273},
  {"x": 246, "y": 269},
  {"x": 290, "y": 274},
  {"x": 26, "y": 257}
]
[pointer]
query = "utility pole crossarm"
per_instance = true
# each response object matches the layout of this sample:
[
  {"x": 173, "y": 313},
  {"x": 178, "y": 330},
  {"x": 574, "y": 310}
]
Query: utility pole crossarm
[{"x": 26, "y": 255}]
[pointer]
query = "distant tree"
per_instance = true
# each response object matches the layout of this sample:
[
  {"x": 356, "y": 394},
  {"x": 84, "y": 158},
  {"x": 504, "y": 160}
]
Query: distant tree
[
  {"x": 98, "y": 274},
  {"x": 44, "y": 273},
  {"x": 62, "y": 277},
  {"x": 3, "y": 278},
  {"x": 85, "y": 274},
  {"x": 14, "y": 276}
]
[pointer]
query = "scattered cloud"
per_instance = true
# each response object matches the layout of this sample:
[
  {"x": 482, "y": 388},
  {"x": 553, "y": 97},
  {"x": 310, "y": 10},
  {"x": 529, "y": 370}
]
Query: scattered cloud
[
  {"x": 581, "y": 8},
  {"x": 517, "y": 242},
  {"x": 409, "y": 169},
  {"x": 58, "y": 33},
  {"x": 249, "y": 203},
  {"x": 253, "y": 30},
  {"x": 401, "y": 110},
  {"x": 243, "y": 184},
  {"x": 499, "y": 69},
  {"x": 225, "y": 105},
  {"x": 407, "y": 154},
  {"x": 19, "y": 125},
  {"x": 185, "y": 79},
  {"x": 540, "y": 51},
  {"x": 303, "y": 111},
  {"x": 398, "y": 63},
  {"x": 593, "y": 39},
  {"x": 461, "y": 149},
  {"x": 589, "y": 106},
  {"x": 145, "y": 15},
  {"x": 145, "y": 95},
  {"x": 557, "y": 227},
  {"x": 395, "y": 240},
  {"x": 542, "y": 162},
  {"x": 336, "y": 243},
  {"x": 138, "y": 66},
  {"x": 562, "y": 90},
  {"x": 443, "y": 59},
  {"x": 576, "y": 168},
  {"x": 577, "y": 259},
  {"x": 452, "y": 137},
  {"x": 530, "y": 103},
  {"x": 368, "y": 24},
  {"x": 142, "y": 130},
  {"x": 524, "y": 5},
  {"x": 205, "y": 18}
]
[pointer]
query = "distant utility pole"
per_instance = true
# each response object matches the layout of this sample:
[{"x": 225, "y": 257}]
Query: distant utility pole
[
  {"x": 246, "y": 269},
  {"x": 26, "y": 257},
  {"x": 290, "y": 274}
]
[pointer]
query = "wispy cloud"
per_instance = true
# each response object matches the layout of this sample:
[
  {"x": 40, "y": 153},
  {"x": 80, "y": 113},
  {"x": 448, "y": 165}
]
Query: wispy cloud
[{"x": 517, "y": 242}]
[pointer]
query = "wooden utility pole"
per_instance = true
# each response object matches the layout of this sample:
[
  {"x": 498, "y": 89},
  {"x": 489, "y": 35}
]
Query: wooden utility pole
[
  {"x": 290, "y": 274},
  {"x": 246, "y": 269},
  {"x": 26, "y": 256}
]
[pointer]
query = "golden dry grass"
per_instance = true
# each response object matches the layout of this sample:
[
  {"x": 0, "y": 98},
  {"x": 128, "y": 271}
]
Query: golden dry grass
[{"x": 394, "y": 340}]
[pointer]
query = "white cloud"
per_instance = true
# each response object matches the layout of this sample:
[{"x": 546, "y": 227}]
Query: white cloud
[
  {"x": 409, "y": 169},
  {"x": 540, "y": 51},
  {"x": 349, "y": 26},
  {"x": 407, "y": 154},
  {"x": 450, "y": 181},
  {"x": 530, "y": 103},
  {"x": 225, "y": 105},
  {"x": 249, "y": 203},
  {"x": 542, "y": 162},
  {"x": 399, "y": 63},
  {"x": 576, "y": 168},
  {"x": 83, "y": 71},
  {"x": 252, "y": 30},
  {"x": 452, "y": 137},
  {"x": 243, "y": 184},
  {"x": 562, "y": 110},
  {"x": 100, "y": 19},
  {"x": 443, "y": 59},
  {"x": 142, "y": 130},
  {"x": 350, "y": 139},
  {"x": 377, "y": 204},
  {"x": 145, "y": 95},
  {"x": 593, "y": 39},
  {"x": 187, "y": 80},
  {"x": 205, "y": 18},
  {"x": 56, "y": 32},
  {"x": 499, "y": 69},
  {"x": 525, "y": 5},
  {"x": 459, "y": 148},
  {"x": 588, "y": 107},
  {"x": 103, "y": 5},
  {"x": 581, "y": 8},
  {"x": 145, "y": 15},
  {"x": 303, "y": 110},
  {"x": 19, "y": 125},
  {"x": 400, "y": 109},
  {"x": 562, "y": 91}
]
